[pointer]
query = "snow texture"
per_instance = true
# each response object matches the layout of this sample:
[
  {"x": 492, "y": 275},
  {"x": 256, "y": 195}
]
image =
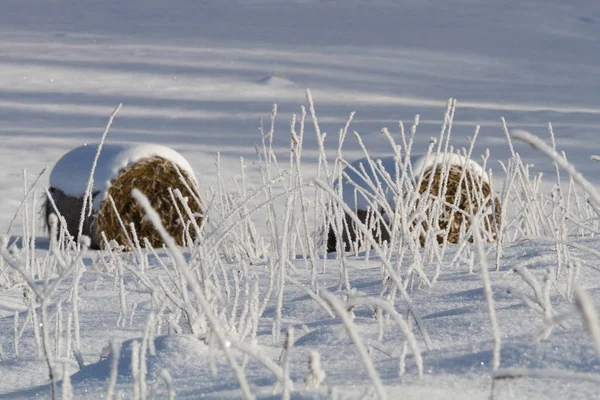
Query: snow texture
[
  {"x": 191, "y": 75},
  {"x": 72, "y": 172},
  {"x": 445, "y": 159}
]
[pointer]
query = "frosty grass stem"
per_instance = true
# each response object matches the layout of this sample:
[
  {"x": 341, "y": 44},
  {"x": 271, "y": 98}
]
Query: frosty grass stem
[
  {"x": 197, "y": 290},
  {"x": 585, "y": 306},
  {"x": 489, "y": 294},
  {"x": 387, "y": 307},
  {"x": 360, "y": 346},
  {"x": 87, "y": 197},
  {"x": 115, "y": 350},
  {"x": 539, "y": 144},
  {"x": 390, "y": 270},
  {"x": 33, "y": 185},
  {"x": 219, "y": 292}
]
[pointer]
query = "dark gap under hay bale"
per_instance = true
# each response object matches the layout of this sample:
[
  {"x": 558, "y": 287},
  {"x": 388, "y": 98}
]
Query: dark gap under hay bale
[
  {"x": 153, "y": 176},
  {"x": 69, "y": 208},
  {"x": 351, "y": 235}
]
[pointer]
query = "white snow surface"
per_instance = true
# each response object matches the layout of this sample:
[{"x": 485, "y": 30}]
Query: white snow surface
[
  {"x": 71, "y": 172},
  {"x": 445, "y": 159}
]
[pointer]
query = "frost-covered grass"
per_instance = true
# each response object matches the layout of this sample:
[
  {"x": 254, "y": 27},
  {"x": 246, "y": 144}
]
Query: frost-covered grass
[
  {"x": 248, "y": 312},
  {"x": 195, "y": 76}
]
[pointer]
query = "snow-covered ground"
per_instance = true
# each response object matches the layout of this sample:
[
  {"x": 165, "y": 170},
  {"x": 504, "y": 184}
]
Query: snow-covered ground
[{"x": 198, "y": 75}]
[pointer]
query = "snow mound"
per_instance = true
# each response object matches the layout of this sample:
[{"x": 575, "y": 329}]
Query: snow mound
[
  {"x": 425, "y": 162},
  {"x": 323, "y": 336},
  {"x": 179, "y": 354},
  {"x": 276, "y": 81},
  {"x": 71, "y": 173}
]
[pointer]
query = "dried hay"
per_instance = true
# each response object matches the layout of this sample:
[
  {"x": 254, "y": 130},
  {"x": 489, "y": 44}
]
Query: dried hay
[
  {"x": 153, "y": 176},
  {"x": 474, "y": 192}
]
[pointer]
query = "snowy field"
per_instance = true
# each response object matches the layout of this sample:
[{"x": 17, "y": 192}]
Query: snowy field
[{"x": 199, "y": 76}]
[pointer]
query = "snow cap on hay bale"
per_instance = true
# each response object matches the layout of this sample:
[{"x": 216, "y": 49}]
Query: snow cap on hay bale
[
  {"x": 475, "y": 184},
  {"x": 121, "y": 168},
  {"x": 471, "y": 188}
]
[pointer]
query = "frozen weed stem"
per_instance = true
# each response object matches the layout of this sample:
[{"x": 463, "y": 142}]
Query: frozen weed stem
[{"x": 197, "y": 290}]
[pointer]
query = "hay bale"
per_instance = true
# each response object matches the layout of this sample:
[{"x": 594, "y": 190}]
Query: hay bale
[
  {"x": 474, "y": 191},
  {"x": 121, "y": 168},
  {"x": 470, "y": 191}
]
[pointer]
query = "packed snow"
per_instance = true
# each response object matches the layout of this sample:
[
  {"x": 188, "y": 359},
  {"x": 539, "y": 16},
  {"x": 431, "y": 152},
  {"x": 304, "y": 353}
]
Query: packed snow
[
  {"x": 71, "y": 173},
  {"x": 444, "y": 159},
  {"x": 201, "y": 78}
]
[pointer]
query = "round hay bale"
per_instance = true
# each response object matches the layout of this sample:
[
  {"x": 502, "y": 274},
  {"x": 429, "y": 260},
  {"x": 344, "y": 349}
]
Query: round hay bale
[
  {"x": 469, "y": 191},
  {"x": 121, "y": 168},
  {"x": 474, "y": 191}
]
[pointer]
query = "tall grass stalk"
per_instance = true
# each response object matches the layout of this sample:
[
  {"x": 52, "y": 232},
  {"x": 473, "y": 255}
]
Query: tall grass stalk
[
  {"x": 404, "y": 327},
  {"x": 586, "y": 308},
  {"x": 196, "y": 289},
  {"x": 390, "y": 270},
  {"x": 350, "y": 327},
  {"x": 489, "y": 294},
  {"x": 115, "y": 349},
  {"x": 87, "y": 197}
]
